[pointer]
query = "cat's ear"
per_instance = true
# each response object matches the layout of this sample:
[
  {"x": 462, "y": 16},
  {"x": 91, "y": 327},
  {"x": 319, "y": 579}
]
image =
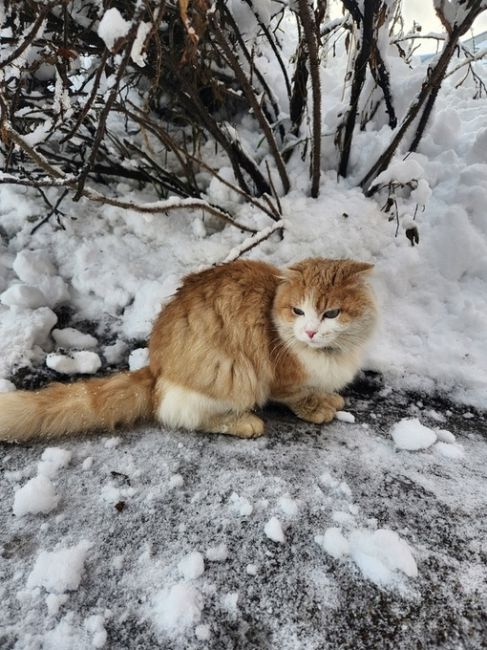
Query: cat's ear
[
  {"x": 288, "y": 274},
  {"x": 351, "y": 267}
]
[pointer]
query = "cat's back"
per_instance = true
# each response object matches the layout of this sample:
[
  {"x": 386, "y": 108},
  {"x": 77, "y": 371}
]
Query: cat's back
[
  {"x": 244, "y": 277},
  {"x": 227, "y": 307}
]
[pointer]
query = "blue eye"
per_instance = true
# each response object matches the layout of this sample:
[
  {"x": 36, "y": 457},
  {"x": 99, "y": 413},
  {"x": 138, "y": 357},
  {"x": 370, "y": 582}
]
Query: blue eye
[
  {"x": 298, "y": 312},
  {"x": 331, "y": 313}
]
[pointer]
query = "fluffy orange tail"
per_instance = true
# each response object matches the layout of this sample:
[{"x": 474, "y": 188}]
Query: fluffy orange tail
[{"x": 62, "y": 409}]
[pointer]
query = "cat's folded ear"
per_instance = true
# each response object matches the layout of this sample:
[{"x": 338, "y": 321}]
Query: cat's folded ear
[
  {"x": 288, "y": 274},
  {"x": 351, "y": 267}
]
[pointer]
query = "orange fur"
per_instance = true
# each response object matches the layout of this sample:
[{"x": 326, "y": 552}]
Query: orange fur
[{"x": 227, "y": 342}]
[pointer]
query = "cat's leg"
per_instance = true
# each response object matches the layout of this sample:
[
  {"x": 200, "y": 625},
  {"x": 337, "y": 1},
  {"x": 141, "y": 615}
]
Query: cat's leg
[
  {"x": 242, "y": 425},
  {"x": 180, "y": 407},
  {"x": 316, "y": 407}
]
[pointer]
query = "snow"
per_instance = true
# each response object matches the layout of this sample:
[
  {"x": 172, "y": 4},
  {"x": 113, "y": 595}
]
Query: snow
[
  {"x": 240, "y": 505},
  {"x": 410, "y": 434},
  {"x": 176, "y": 481},
  {"x": 273, "y": 530},
  {"x": 137, "y": 54},
  {"x": 71, "y": 338},
  {"x": 113, "y": 27},
  {"x": 139, "y": 358},
  {"x": 192, "y": 566},
  {"x": 82, "y": 362},
  {"x": 61, "y": 570},
  {"x": 449, "y": 450},
  {"x": 217, "y": 553},
  {"x": 23, "y": 296},
  {"x": 379, "y": 554},
  {"x": 95, "y": 625},
  {"x": 36, "y": 496},
  {"x": 444, "y": 436},
  {"x": 6, "y": 386},
  {"x": 202, "y": 632},
  {"x": 177, "y": 608},
  {"x": 288, "y": 506},
  {"x": 385, "y": 524},
  {"x": 345, "y": 416},
  {"x": 333, "y": 542},
  {"x": 52, "y": 460}
]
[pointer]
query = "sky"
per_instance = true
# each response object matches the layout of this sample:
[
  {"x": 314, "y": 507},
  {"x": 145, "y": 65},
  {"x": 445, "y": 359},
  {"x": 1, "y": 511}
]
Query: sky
[{"x": 422, "y": 11}]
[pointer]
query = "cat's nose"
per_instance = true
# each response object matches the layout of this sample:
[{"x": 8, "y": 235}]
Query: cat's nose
[{"x": 310, "y": 333}]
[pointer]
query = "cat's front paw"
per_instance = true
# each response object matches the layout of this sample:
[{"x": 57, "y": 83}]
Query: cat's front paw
[{"x": 319, "y": 409}]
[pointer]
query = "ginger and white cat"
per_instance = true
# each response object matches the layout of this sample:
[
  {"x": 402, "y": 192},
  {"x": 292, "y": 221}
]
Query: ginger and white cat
[{"x": 233, "y": 338}]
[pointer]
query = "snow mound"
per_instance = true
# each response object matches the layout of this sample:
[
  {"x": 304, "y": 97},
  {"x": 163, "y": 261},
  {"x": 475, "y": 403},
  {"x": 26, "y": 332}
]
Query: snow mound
[
  {"x": 410, "y": 434},
  {"x": 59, "y": 571},
  {"x": 36, "y": 496}
]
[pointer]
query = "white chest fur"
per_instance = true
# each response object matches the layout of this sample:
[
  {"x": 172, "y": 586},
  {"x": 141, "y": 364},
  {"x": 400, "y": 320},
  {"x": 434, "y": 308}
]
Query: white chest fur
[{"x": 328, "y": 371}]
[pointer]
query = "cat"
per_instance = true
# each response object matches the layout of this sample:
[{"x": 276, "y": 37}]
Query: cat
[{"x": 231, "y": 339}]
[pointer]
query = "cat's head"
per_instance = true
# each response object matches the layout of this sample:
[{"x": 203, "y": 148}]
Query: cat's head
[{"x": 325, "y": 304}]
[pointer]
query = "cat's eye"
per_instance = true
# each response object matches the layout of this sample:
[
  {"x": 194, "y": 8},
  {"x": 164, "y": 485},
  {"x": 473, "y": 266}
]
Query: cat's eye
[
  {"x": 331, "y": 313},
  {"x": 298, "y": 312}
]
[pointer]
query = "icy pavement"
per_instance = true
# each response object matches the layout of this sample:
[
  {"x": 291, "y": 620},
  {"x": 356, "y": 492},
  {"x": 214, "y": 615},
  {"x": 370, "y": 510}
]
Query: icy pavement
[{"x": 312, "y": 537}]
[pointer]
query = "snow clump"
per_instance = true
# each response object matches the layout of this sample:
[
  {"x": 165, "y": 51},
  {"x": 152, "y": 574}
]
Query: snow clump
[
  {"x": 410, "y": 434},
  {"x": 273, "y": 530},
  {"x": 177, "y": 608},
  {"x": 36, "y": 496},
  {"x": 112, "y": 27},
  {"x": 59, "y": 571},
  {"x": 84, "y": 363},
  {"x": 52, "y": 460},
  {"x": 379, "y": 554},
  {"x": 192, "y": 565},
  {"x": 73, "y": 338}
]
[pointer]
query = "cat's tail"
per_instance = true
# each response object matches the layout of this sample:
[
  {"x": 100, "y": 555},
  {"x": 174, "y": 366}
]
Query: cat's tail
[{"x": 64, "y": 409}]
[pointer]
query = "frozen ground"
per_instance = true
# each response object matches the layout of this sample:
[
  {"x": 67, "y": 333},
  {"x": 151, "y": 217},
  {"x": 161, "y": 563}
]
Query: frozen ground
[{"x": 165, "y": 540}]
